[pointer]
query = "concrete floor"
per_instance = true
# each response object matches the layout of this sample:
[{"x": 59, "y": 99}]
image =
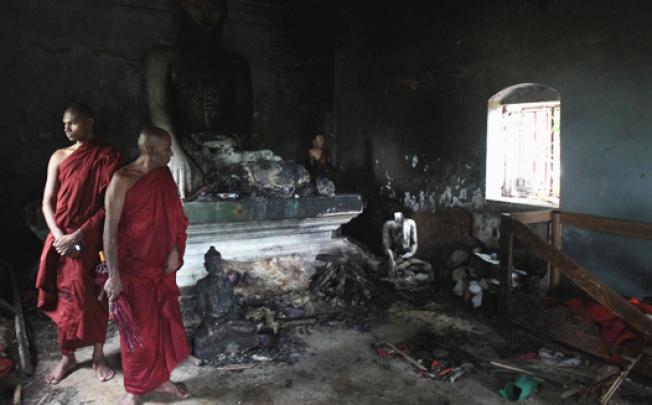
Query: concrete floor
[{"x": 338, "y": 367}]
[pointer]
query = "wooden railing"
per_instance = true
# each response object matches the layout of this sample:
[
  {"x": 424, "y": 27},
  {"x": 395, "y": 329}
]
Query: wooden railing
[{"x": 514, "y": 226}]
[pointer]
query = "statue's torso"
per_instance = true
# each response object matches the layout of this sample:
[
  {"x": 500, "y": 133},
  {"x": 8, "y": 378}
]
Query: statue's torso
[
  {"x": 204, "y": 95},
  {"x": 217, "y": 297},
  {"x": 400, "y": 237}
]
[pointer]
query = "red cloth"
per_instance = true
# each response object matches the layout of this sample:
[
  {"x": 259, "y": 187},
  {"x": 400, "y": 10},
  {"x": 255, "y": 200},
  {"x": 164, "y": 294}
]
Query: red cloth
[
  {"x": 646, "y": 308},
  {"x": 152, "y": 223},
  {"x": 67, "y": 292},
  {"x": 612, "y": 328}
]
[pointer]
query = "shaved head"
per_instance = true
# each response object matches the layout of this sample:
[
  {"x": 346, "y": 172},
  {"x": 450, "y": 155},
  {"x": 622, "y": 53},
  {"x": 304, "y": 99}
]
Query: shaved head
[
  {"x": 82, "y": 110},
  {"x": 155, "y": 144},
  {"x": 151, "y": 137}
]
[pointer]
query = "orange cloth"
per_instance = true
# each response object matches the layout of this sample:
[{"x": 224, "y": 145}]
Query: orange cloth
[
  {"x": 67, "y": 292},
  {"x": 152, "y": 223}
]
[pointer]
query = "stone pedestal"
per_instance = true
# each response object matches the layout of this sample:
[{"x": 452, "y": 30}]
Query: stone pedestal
[{"x": 249, "y": 230}]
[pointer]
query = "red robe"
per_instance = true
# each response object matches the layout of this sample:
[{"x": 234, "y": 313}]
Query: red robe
[
  {"x": 152, "y": 223},
  {"x": 67, "y": 292}
]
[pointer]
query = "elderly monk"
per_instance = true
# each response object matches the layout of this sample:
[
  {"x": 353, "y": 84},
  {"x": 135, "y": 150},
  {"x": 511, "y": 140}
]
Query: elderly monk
[
  {"x": 73, "y": 207},
  {"x": 144, "y": 240}
]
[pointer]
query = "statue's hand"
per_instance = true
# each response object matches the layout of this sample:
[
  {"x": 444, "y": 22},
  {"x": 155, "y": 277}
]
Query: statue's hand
[
  {"x": 391, "y": 265},
  {"x": 180, "y": 168}
]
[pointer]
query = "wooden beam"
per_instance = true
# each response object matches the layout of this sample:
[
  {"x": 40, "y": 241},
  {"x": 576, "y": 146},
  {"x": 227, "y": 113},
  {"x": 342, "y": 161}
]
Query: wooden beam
[
  {"x": 614, "y": 387},
  {"x": 616, "y": 226},
  {"x": 532, "y": 217},
  {"x": 24, "y": 352},
  {"x": 585, "y": 280},
  {"x": 506, "y": 253},
  {"x": 555, "y": 241}
]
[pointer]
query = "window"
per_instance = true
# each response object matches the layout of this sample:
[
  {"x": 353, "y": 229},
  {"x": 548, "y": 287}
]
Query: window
[{"x": 523, "y": 155}]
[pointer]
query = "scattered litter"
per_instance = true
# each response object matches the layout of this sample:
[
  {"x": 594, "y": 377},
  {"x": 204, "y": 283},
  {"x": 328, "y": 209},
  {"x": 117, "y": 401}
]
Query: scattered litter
[
  {"x": 436, "y": 363},
  {"x": 489, "y": 258},
  {"x": 521, "y": 388},
  {"x": 558, "y": 359}
]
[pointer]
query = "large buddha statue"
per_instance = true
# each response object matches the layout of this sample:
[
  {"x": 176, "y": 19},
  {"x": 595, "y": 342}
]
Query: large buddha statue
[{"x": 199, "y": 92}]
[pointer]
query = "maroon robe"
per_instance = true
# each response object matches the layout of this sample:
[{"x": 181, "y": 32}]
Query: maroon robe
[
  {"x": 67, "y": 292},
  {"x": 152, "y": 223}
]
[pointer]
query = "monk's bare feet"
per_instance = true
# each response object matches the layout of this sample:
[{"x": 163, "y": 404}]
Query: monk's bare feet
[
  {"x": 102, "y": 369},
  {"x": 179, "y": 390},
  {"x": 130, "y": 399},
  {"x": 61, "y": 369}
]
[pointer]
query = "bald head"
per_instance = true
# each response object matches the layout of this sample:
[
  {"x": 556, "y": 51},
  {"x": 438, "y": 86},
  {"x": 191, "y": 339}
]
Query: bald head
[
  {"x": 155, "y": 143},
  {"x": 150, "y": 137}
]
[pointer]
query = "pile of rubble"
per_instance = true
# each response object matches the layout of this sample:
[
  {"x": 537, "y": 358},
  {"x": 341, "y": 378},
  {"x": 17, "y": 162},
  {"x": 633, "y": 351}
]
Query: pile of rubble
[
  {"x": 345, "y": 279},
  {"x": 477, "y": 276},
  {"x": 250, "y": 312}
]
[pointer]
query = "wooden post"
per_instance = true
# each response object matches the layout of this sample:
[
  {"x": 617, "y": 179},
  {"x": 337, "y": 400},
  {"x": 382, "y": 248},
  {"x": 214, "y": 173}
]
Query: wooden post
[
  {"x": 585, "y": 280},
  {"x": 24, "y": 353},
  {"x": 505, "y": 255},
  {"x": 555, "y": 241}
]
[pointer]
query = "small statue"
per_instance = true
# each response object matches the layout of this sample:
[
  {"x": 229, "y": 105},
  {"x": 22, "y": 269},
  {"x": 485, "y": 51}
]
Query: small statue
[
  {"x": 222, "y": 329},
  {"x": 319, "y": 157},
  {"x": 215, "y": 297},
  {"x": 400, "y": 245},
  {"x": 320, "y": 168}
]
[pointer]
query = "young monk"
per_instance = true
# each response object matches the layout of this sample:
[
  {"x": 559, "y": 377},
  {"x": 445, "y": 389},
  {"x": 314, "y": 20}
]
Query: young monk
[{"x": 73, "y": 207}]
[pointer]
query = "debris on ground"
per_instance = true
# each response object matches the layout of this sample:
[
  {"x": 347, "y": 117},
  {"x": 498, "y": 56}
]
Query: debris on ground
[
  {"x": 521, "y": 388},
  {"x": 426, "y": 357},
  {"x": 345, "y": 279}
]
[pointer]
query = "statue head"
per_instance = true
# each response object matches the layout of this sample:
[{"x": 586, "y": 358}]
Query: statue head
[
  {"x": 205, "y": 14},
  {"x": 213, "y": 261},
  {"x": 398, "y": 217},
  {"x": 319, "y": 141}
]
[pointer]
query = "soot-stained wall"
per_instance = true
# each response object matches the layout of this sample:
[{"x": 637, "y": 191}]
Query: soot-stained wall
[
  {"x": 412, "y": 84},
  {"x": 401, "y": 87},
  {"x": 93, "y": 51}
]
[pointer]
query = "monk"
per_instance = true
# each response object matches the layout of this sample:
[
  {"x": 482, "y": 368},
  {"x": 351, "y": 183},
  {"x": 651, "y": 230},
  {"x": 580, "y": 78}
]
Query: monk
[
  {"x": 144, "y": 240},
  {"x": 73, "y": 207}
]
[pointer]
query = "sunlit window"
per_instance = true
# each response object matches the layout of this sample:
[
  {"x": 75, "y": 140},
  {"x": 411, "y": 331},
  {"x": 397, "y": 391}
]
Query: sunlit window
[{"x": 523, "y": 154}]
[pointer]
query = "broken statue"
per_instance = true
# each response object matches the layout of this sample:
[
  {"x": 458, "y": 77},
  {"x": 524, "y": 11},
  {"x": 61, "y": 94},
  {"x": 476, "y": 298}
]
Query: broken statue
[
  {"x": 400, "y": 245},
  {"x": 222, "y": 330}
]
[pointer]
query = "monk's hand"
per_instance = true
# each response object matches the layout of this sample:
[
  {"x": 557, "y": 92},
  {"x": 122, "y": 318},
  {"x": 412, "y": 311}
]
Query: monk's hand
[
  {"x": 173, "y": 262},
  {"x": 70, "y": 244},
  {"x": 180, "y": 168},
  {"x": 112, "y": 288}
]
